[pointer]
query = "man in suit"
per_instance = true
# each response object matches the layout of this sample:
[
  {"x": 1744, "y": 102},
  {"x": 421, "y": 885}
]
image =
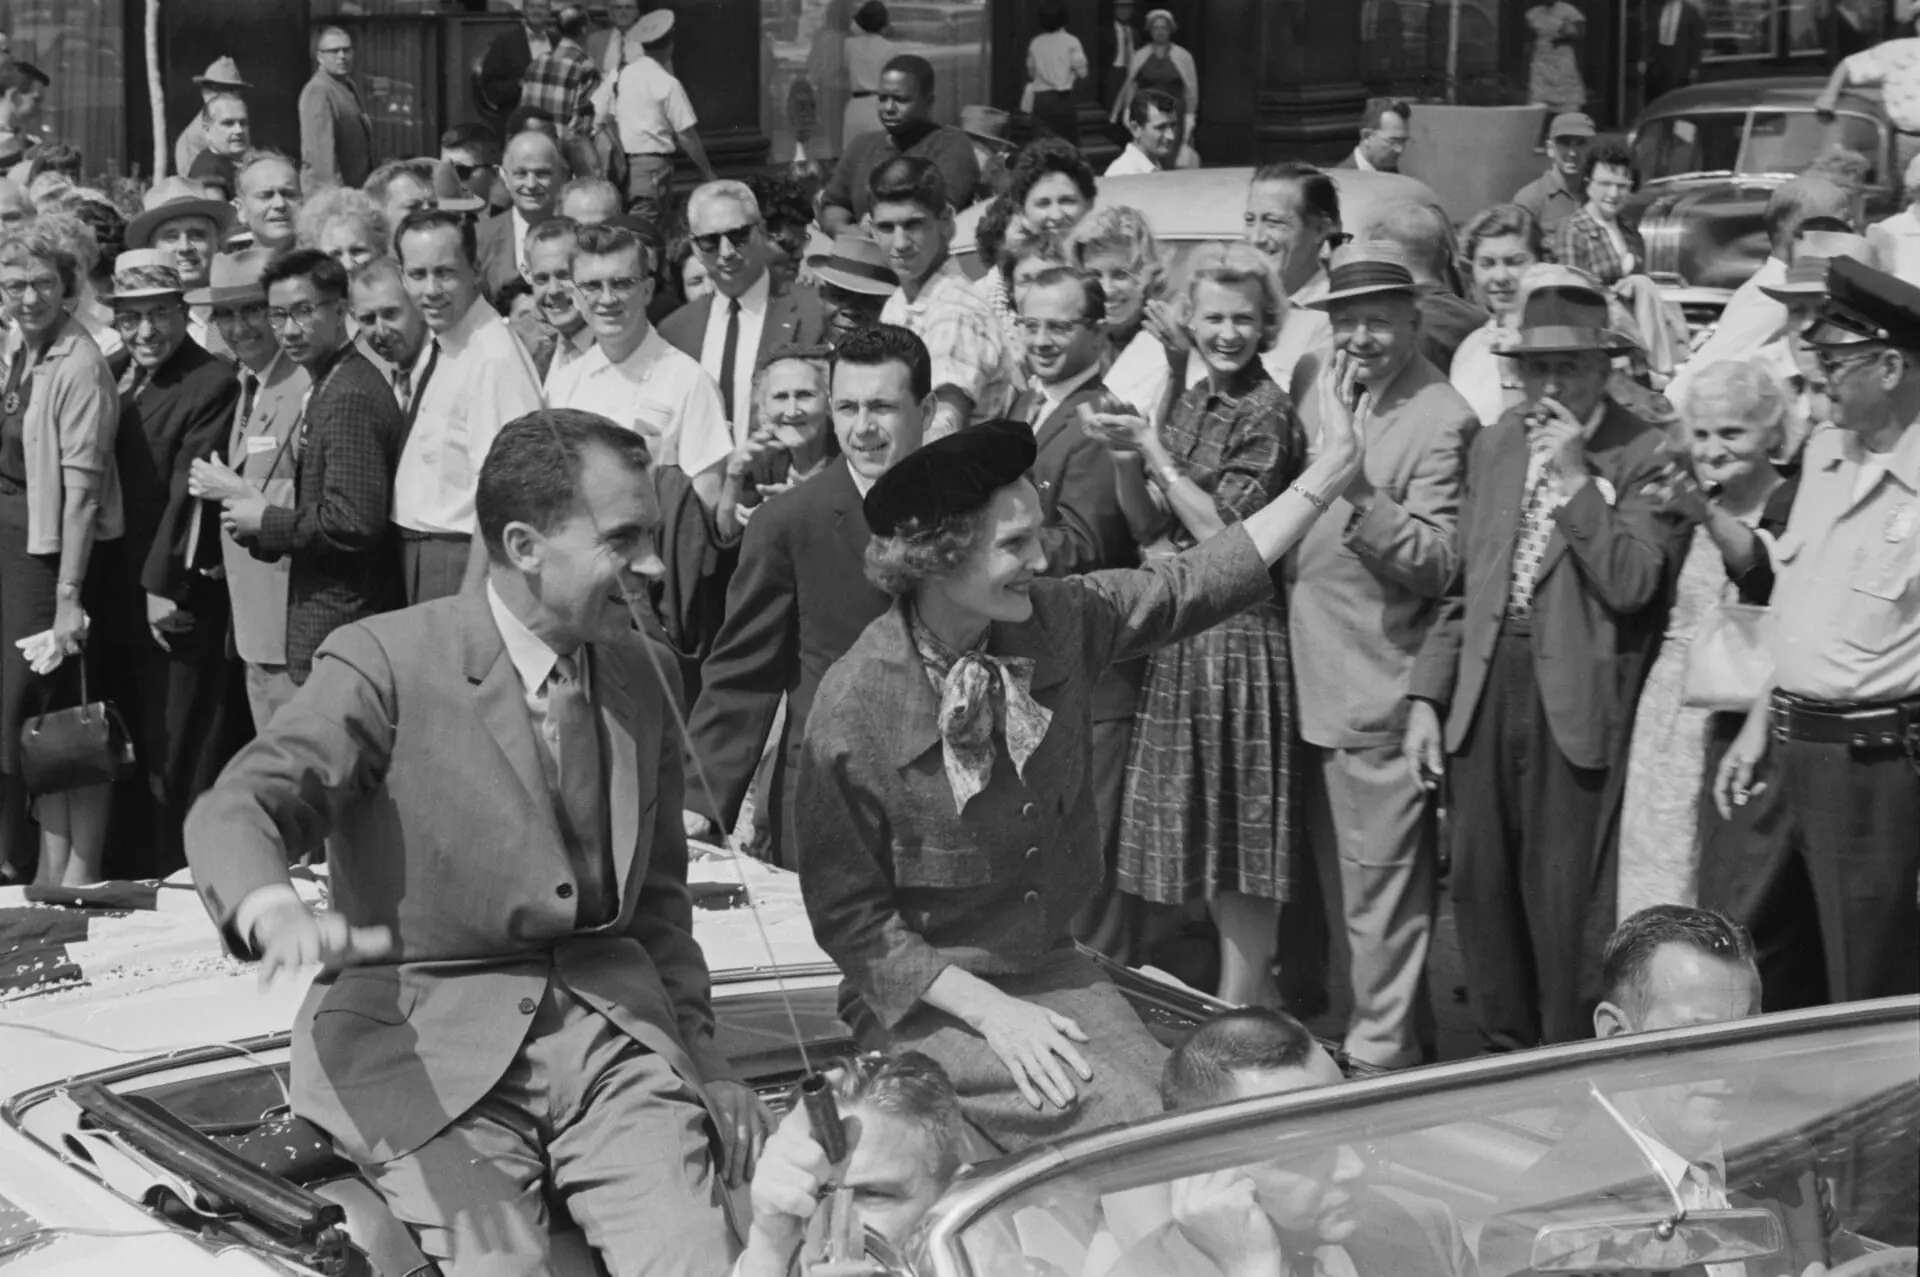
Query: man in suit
[
  {"x": 1569, "y": 542},
  {"x": 345, "y": 560},
  {"x": 1084, "y": 531},
  {"x": 1628, "y": 1154},
  {"x": 539, "y": 1020},
  {"x": 1367, "y": 584},
  {"x": 1293, "y": 1216},
  {"x": 800, "y": 596},
  {"x": 1676, "y": 41},
  {"x": 497, "y": 85},
  {"x": 1383, "y": 137},
  {"x": 534, "y": 172},
  {"x": 336, "y": 137},
  {"x": 751, "y": 311}
]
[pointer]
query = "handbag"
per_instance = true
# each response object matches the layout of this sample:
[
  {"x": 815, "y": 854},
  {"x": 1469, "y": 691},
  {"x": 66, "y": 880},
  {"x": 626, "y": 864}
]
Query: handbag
[
  {"x": 70, "y": 748},
  {"x": 1729, "y": 661}
]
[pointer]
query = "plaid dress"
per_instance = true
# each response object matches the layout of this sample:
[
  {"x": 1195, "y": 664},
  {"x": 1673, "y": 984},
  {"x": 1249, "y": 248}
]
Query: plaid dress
[{"x": 1212, "y": 799}]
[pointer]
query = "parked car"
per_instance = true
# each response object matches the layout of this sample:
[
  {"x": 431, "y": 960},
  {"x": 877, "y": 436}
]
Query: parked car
[{"x": 1710, "y": 155}]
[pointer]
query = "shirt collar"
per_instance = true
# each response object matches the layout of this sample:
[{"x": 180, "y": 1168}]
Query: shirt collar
[
  {"x": 755, "y": 298},
  {"x": 861, "y": 483},
  {"x": 1361, "y": 162},
  {"x": 455, "y": 338},
  {"x": 532, "y": 659},
  {"x": 1057, "y": 394},
  {"x": 1903, "y": 463}
]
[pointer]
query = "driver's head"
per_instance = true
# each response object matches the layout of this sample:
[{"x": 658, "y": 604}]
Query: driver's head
[
  {"x": 1250, "y": 1052},
  {"x": 908, "y": 1140},
  {"x": 1667, "y": 967}
]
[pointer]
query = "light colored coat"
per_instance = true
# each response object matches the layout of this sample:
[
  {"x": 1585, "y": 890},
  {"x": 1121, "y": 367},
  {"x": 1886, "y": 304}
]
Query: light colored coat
[{"x": 73, "y": 414}]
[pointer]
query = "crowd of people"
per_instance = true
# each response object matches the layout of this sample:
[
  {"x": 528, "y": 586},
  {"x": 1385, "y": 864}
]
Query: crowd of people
[{"x": 1102, "y": 597}]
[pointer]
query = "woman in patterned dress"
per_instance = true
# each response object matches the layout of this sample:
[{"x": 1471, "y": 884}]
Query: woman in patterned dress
[
  {"x": 1731, "y": 423},
  {"x": 1211, "y": 803}
]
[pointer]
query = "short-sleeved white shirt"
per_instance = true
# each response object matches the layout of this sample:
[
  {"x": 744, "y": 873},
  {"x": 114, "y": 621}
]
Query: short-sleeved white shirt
[{"x": 657, "y": 392}]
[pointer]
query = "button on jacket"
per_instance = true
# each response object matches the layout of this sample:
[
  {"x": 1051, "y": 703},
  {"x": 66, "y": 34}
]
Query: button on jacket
[{"x": 898, "y": 885}]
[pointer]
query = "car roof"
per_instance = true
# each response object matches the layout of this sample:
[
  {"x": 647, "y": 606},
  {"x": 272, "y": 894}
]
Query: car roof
[
  {"x": 1200, "y": 204},
  {"x": 1765, "y": 91}
]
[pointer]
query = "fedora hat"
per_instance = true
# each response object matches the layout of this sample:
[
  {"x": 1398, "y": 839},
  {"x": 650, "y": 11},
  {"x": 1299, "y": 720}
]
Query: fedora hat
[
  {"x": 1807, "y": 278},
  {"x": 855, "y": 264},
  {"x": 234, "y": 277},
  {"x": 173, "y": 197},
  {"x": 221, "y": 73},
  {"x": 144, "y": 272},
  {"x": 1562, "y": 311},
  {"x": 1364, "y": 270},
  {"x": 448, "y": 194},
  {"x": 988, "y": 124}
]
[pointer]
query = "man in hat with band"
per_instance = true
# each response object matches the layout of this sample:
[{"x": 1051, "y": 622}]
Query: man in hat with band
[
  {"x": 221, "y": 76},
  {"x": 261, "y": 455},
  {"x": 1840, "y": 726},
  {"x": 1367, "y": 585},
  {"x": 1561, "y": 191},
  {"x": 189, "y": 225},
  {"x": 854, "y": 282},
  {"x": 1530, "y": 674},
  {"x": 166, "y": 632}
]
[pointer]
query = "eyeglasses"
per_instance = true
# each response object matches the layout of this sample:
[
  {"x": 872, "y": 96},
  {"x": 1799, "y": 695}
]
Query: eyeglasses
[
  {"x": 1062, "y": 328},
  {"x": 129, "y": 321},
  {"x": 1833, "y": 369},
  {"x": 300, "y": 316},
  {"x": 340, "y": 50},
  {"x": 42, "y": 286},
  {"x": 738, "y": 237},
  {"x": 252, "y": 313},
  {"x": 619, "y": 286}
]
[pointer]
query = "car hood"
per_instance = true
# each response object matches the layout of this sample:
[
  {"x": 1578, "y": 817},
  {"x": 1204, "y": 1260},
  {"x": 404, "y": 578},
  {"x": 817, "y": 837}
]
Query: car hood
[{"x": 1709, "y": 232}]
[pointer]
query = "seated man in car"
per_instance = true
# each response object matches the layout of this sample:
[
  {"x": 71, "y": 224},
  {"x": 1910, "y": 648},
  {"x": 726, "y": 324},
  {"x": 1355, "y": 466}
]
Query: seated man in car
[
  {"x": 1287, "y": 1217},
  {"x": 905, "y": 1141},
  {"x": 1631, "y": 1153}
]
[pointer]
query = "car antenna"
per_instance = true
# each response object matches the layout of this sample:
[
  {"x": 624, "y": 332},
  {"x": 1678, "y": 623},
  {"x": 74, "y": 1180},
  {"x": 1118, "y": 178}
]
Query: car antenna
[{"x": 1666, "y": 1228}]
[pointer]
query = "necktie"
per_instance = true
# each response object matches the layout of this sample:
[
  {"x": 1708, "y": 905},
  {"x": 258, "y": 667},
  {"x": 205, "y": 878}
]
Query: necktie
[
  {"x": 243, "y": 412},
  {"x": 574, "y": 739},
  {"x": 403, "y": 388},
  {"x": 420, "y": 388},
  {"x": 730, "y": 355},
  {"x": 1530, "y": 545}
]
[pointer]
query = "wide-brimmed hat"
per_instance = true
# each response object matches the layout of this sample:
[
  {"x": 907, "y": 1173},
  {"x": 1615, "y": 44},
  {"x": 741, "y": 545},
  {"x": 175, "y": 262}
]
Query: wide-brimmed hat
[
  {"x": 449, "y": 194},
  {"x": 988, "y": 125},
  {"x": 233, "y": 277},
  {"x": 222, "y": 73},
  {"x": 144, "y": 272},
  {"x": 173, "y": 197},
  {"x": 1365, "y": 270},
  {"x": 653, "y": 26},
  {"x": 1561, "y": 311},
  {"x": 856, "y": 264},
  {"x": 1812, "y": 253}
]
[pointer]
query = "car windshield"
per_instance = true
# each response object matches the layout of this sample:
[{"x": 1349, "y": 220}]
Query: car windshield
[
  {"x": 1751, "y": 143},
  {"x": 1807, "y": 1136}
]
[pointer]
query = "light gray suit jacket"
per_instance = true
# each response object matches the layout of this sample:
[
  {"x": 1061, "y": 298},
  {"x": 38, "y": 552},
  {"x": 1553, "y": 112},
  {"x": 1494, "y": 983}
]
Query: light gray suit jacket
[{"x": 411, "y": 751}]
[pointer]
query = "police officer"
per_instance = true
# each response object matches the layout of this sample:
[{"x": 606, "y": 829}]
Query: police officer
[{"x": 1843, "y": 718}]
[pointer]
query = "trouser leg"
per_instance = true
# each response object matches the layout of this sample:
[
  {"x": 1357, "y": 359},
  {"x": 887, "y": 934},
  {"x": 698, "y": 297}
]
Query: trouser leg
[
  {"x": 1496, "y": 947},
  {"x": 1385, "y": 883},
  {"x": 1858, "y": 816},
  {"x": 1107, "y": 922}
]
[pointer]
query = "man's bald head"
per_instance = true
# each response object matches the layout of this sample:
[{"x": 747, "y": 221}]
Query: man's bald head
[{"x": 534, "y": 172}]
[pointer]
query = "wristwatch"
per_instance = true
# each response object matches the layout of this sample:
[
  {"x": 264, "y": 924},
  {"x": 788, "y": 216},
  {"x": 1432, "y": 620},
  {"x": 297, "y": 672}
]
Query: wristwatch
[{"x": 67, "y": 590}]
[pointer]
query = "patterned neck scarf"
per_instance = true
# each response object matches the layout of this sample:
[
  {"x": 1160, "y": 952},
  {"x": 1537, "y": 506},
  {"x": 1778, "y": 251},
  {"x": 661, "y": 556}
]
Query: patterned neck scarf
[{"x": 977, "y": 693}]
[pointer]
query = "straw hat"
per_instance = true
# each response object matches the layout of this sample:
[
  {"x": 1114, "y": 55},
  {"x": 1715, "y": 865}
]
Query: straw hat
[
  {"x": 173, "y": 197},
  {"x": 234, "y": 277},
  {"x": 144, "y": 272},
  {"x": 855, "y": 264}
]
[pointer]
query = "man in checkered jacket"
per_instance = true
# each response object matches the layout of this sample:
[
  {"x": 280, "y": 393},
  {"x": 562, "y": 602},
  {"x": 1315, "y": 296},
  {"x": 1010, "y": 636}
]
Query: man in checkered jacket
[{"x": 562, "y": 82}]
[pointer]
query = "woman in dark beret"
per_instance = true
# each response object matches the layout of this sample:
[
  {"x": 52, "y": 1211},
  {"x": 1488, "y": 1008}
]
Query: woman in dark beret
[{"x": 946, "y": 822}]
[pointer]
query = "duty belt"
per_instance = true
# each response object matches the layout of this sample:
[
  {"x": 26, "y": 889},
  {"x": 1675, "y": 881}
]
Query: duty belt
[{"x": 1886, "y": 725}]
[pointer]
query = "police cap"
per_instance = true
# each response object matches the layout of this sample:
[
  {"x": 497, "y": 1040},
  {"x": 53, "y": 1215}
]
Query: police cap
[{"x": 1865, "y": 305}]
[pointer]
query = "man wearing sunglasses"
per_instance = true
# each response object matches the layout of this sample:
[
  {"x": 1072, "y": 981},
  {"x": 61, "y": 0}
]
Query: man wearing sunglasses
[
  {"x": 336, "y": 137},
  {"x": 750, "y": 311},
  {"x": 261, "y": 453}
]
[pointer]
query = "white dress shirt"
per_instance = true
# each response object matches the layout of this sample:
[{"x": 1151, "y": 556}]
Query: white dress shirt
[
  {"x": 753, "y": 321},
  {"x": 650, "y": 106},
  {"x": 658, "y": 393},
  {"x": 1058, "y": 61},
  {"x": 1140, "y": 375},
  {"x": 1130, "y": 162},
  {"x": 520, "y": 229},
  {"x": 481, "y": 380}
]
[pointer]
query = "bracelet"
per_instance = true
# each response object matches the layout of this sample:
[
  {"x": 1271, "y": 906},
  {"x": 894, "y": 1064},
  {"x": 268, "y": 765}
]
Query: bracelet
[
  {"x": 1170, "y": 476},
  {"x": 1314, "y": 499}
]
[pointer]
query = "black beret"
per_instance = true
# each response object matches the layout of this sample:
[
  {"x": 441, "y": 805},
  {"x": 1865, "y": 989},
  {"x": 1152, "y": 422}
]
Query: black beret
[
  {"x": 949, "y": 477},
  {"x": 1863, "y": 305}
]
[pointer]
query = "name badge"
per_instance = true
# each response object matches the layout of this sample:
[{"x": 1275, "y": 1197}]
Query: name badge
[{"x": 261, "y": 443}]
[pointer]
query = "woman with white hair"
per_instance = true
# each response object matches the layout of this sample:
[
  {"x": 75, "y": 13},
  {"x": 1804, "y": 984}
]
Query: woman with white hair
[
  {"x": 345, "y": 224},
  {"x": 792, "y": 439},
  {"x": 1731, "y": 428},
  {"x": 1114, "y": 244}
]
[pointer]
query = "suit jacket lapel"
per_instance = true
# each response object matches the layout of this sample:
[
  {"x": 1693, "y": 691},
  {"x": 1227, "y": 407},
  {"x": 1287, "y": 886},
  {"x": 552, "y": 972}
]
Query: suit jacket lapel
[
  {"x": 632, "y": 756},
  {"x": 783, "y": 316},
  {"x": 1506, "y": 486},
  {"x": 502, "y": 704},
  {"x": 849, "y": 519},
  {"x": 1065, "y": 414}
]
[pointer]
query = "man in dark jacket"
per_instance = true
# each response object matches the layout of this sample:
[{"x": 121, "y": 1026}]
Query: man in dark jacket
[
  {"x": 800, "y": 596},
  {"x": 345, "y": 562},
  {"x": 496, "y": 88},
  {"x": 163, "y": 620},
  {"x": 336, "y": 137}
]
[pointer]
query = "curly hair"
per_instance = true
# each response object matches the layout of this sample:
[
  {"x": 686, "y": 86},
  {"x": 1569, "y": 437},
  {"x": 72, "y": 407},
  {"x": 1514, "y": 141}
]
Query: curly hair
[
  {"x": 1737, "y": 390},
  {"x": 342, "y": 204},
  {"x": 899, "y": 565},
  {"x": 1042, "y": 157},
  {"x": 1234, "y": 262},
  {"x": 47, "y": 243},
  {"x": 1117, "y": 228}
]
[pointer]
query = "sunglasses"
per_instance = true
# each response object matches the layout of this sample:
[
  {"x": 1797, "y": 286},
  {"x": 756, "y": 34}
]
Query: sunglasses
[{"x": 737, "y": 237}]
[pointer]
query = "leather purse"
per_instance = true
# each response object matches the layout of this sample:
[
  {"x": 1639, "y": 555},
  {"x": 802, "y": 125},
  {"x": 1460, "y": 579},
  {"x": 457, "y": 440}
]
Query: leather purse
[
  {"x": 70, "y": 748},
  {"x": 1729, "y": 661}
]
